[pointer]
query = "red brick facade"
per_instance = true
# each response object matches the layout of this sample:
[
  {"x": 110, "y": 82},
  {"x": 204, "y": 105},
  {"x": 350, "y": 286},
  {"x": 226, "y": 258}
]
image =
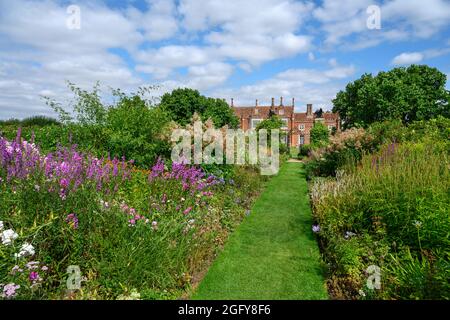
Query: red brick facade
[{"x": 298, "y": 124}]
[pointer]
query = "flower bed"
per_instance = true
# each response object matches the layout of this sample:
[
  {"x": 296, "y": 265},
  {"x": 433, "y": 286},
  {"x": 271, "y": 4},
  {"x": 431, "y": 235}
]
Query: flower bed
[{"x": 144, "y": 233}]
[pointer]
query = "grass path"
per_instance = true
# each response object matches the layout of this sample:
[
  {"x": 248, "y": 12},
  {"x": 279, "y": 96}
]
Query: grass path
[{"x": 273, "y": 254}]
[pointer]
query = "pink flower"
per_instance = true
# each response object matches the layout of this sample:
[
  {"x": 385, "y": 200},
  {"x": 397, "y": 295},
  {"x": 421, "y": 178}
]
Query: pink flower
[
  {"x": 189, "y": 209},
  {"x": 9, "y": 290}
]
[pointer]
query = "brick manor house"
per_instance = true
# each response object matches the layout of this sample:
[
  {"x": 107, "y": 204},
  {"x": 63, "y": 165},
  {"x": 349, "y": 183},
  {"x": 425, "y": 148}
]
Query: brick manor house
[{"x": 297, "y": 124}]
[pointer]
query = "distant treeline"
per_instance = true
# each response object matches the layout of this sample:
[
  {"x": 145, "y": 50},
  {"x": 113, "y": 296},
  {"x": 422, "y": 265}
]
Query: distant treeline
[{"x": 31, "y": 121}]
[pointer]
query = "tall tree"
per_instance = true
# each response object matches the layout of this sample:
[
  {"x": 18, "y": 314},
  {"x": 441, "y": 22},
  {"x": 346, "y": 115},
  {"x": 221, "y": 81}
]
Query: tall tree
[
  {"x": 413, "y": 93},
  {"x": 182, "y": 103}
]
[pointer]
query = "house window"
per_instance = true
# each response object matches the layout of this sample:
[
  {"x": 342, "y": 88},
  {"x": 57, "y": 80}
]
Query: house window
[
  {"x": 330, "y": 127},
  {"x": 301, "y": 127},
  {"x": 301, "y": 140},
  {"x": 285, "y": 123},
  {"x": 256, "y": 111},
  {"x": 255, "y": 123},
  {"x": 281, "y": 111}
]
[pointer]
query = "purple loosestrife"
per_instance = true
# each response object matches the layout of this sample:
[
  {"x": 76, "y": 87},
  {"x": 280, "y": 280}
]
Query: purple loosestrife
[
  {"x": 64, "y": 170},
  {"x": 157, "y": 169},
  {"x": 191, "y": 178}
]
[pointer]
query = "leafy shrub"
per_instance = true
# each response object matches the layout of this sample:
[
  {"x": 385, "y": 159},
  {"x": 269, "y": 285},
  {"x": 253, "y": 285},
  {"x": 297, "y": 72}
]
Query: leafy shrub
[
  {"x": 305, "y": 149},
  {"x": 137, "y": 131},
  {"x": 319, "y": 135},
  {"x": 344, "y": 148},
  {"x": 133, "y": 127}
]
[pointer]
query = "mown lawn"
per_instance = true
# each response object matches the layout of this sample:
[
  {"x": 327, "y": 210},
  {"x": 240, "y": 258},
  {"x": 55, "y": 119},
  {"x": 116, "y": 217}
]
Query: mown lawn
[{"x": 273, "y": 254}]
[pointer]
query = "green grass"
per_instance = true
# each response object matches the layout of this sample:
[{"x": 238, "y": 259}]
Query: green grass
[{"x": 273, "y": 253}]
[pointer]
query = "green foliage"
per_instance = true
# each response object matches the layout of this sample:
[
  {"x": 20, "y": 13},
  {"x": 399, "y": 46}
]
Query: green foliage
[
  {"x": 137, "y": 131},
  {"x": 305, "y": 150},
  {"x": 398, "y": 197},
  {"x": 181, "y": 104},
  {"x": 407, "y": 94},
  {"x": 274, "y": 123},
  {"x": 38, "y": 121},
  {"x": 346, "y": 148},
  {"x": 319, "y": 135},
  {"x": 132, "y": 127},
  {"x": 10, "y": 122}
]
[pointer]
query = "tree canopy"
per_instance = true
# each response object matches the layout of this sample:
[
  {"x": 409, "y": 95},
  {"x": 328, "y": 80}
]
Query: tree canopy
[
  {"x": 409, "y": 94},
  {"x": 182, "y": 103}
]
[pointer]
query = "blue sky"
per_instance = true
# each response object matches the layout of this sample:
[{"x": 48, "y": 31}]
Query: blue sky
[{"x": 245, "y": 49}]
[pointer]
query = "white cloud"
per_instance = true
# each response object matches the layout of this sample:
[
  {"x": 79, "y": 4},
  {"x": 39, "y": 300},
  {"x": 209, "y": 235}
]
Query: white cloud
[
  {"x": 208, "y": 76},
  {"x": 254, "y": 31},
  {"x": 400, "y": 20},
  {"x": 159, "y": 22},
  {"x": 408, "y": 58},
  {"x": 40, "y": 53},
  {"x": 199, "y": 44},
  {"x": 161, "y": 62},
  {"x": 425, "y": 18},
  {"x": 306, "y": 85}
]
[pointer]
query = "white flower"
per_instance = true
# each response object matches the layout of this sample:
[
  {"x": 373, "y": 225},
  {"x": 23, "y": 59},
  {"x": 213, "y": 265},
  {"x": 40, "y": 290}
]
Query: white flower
[
  {"x": 1, "y": 225},
  {"x": 417, "y": 224},
  {"x": 8, "y": 236},
  {"x": 26, "y": 250}
]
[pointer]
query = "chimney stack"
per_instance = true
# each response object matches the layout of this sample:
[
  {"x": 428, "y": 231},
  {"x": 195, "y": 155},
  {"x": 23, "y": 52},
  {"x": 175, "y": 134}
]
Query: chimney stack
[
  {"x": 256, "y": 103},
  {"x": 232, "y": 102},
  {"x": 293, "y": 102},
  {"x": 273, "y": 102},
  {"x": 281, "y": 101},
  {"x": 309, "y": 110}
]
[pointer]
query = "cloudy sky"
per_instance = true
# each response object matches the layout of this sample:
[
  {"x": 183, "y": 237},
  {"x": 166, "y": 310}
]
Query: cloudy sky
[{"x": 246, "y": 49}]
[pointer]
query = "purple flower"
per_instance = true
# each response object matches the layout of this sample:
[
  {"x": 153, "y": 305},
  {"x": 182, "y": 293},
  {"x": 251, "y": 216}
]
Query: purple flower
[
  {"x": 34, "y": 276},
  {"x": 316, "y": 228},
  {"x": 189, "y": 209},
  {"x": 72, "y": 220}
]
